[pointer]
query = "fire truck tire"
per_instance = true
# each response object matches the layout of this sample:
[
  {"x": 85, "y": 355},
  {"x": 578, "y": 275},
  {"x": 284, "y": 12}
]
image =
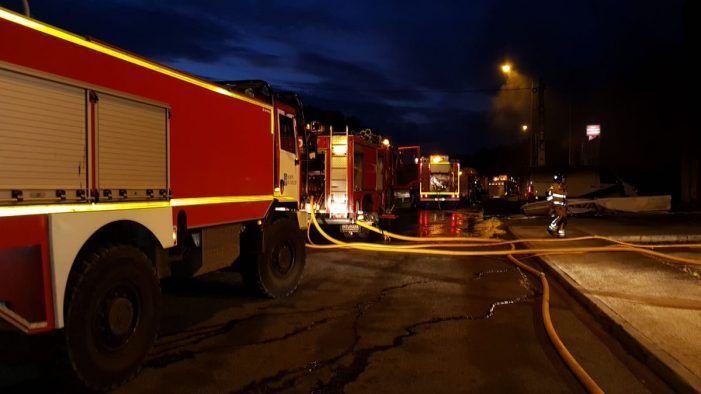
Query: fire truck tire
[
  {"x": 112, "y": 316},
  {"x": 276, "y": 271}
]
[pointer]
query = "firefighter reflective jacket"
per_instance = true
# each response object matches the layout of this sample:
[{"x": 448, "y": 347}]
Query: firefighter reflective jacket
[{"x": 557, "y": 194}]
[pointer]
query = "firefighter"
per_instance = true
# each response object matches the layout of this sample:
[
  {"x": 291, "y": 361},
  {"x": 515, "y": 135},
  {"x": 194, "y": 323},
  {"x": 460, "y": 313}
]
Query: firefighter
[{"x": 557, "y": 197}]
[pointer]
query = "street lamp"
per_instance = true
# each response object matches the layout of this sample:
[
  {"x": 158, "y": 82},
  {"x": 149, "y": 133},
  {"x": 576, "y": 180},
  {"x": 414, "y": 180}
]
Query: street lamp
[
  {"x": 537, "y": 136},
  {"x": 506, "y": 68}
]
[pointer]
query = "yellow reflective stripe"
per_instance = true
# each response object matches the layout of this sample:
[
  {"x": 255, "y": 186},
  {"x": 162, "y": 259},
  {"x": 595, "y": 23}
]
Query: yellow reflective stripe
[
  {"x": 285, "y": 199},
  {"x": 437, "y": 193},
  {"x": 44, "y": 209},
  {"x": 78, "y": 40},
  {"x": 26, "y": 210},
  {"x": 185, "y": 202}
]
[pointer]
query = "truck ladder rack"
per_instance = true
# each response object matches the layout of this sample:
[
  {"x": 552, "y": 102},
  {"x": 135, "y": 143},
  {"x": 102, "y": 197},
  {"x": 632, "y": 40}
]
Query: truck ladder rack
[{"x": 338, "y": 195}]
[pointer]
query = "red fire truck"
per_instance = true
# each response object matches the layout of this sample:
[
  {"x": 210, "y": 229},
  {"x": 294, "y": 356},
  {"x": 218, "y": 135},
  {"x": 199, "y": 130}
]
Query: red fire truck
[
  {"x": 440, "y": 180},
  {"x": 357, "y": 171},
  {"x": 406, "y": 190},
  {"x": 116, "y": 171}
]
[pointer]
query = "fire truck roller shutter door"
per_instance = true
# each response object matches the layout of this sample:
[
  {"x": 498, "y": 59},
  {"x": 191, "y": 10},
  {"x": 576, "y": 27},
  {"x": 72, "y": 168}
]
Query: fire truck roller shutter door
[
  {"x": 42, "y": 138},
  {"x": 131, "y": 147}
]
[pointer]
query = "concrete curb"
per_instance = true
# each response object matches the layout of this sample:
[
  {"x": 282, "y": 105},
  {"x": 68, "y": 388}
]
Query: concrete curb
[{"x": 667, "y": 368}]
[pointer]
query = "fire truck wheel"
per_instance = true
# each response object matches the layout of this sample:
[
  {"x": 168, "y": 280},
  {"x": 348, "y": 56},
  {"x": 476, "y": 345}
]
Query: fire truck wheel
[
  {"x": 112, "y": 316},
  {"x": 277, "y": 270}
]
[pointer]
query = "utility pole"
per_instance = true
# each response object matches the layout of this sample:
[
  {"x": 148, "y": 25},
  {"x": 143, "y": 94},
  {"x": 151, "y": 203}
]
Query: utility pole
[
  {"x": 531, "y": 136},
  {"x": 25, "y": 6},
  {"x": 540, "y": 131},
  {"x": 570, "y": 158},
  {"x": 569, "y": 134}
]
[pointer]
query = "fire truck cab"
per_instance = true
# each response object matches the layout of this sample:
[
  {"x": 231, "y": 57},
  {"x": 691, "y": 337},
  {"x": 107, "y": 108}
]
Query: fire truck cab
[
  {"x": 289, "y": 140},
  {"x": 440, "y": 180}
]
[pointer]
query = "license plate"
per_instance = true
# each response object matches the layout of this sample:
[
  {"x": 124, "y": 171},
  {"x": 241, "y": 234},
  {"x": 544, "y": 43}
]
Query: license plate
[{"x": 350, "y": 228}]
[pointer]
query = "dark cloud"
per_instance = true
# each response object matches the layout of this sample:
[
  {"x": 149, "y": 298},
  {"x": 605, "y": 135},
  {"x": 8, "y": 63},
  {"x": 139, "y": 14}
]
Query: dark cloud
[
  {"x": 349, "y": 78},
  {"x": 158, "y": 31},
  {"x": 420, "y": 69}
]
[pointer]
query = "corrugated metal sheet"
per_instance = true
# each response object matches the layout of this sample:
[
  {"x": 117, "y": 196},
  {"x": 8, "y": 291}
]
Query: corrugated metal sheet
[
  {"x": 42, "y": 134},
  {"x": 132, "y": 144}
]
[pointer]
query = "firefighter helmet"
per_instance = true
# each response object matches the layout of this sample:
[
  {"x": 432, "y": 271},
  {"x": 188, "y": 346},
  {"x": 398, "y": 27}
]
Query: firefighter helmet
[{"x": 558, "y": 177}]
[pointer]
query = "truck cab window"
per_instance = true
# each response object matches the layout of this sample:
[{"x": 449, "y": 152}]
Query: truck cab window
[{"x": 287, "y": 134}]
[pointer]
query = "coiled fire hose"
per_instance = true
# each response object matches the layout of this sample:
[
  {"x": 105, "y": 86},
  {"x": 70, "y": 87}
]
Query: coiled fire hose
[{"x": 428, "y": 248}]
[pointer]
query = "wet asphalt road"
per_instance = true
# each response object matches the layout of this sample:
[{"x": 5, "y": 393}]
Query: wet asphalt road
[{"x": 363, "y": 322}]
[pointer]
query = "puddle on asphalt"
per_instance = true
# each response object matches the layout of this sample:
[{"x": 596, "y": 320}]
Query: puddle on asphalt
[
  {"x": 458, "y": 223},
  {"x": 431, "y": 223},
  {"x": 441, "y": 223}
]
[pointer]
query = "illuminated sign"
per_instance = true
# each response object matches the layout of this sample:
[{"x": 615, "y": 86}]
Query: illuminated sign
[{"x": 593, "y": 131}]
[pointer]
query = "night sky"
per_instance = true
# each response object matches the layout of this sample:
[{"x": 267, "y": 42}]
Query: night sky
[{"x": 423, "y": 72}]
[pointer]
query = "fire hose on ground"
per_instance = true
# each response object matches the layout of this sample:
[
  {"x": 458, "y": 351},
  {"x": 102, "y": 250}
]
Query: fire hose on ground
[{"x": 430, "y": 248}]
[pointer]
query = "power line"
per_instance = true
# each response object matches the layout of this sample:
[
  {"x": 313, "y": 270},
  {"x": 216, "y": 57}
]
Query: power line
[{"x": 307, "y": 86}]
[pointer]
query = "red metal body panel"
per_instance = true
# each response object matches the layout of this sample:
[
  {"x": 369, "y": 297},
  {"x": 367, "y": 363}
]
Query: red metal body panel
[
  {"x": 219, "y": 145},
  {"x": 370, "y": 168},
  {"x": 323, "y": 142},
  {"x": 403, "y": 181},
  {"x": 25, "y": 273},
  {"x": 369, "y": 182},
  {"x": 210, "y": 215}
]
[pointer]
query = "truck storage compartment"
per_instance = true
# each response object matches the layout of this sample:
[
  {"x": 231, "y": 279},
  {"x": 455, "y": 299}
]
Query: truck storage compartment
[
  {"x": 131, "y": 149},
  {"x": 25, "y": 278},
  {"x": 42, "y": 139}
]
